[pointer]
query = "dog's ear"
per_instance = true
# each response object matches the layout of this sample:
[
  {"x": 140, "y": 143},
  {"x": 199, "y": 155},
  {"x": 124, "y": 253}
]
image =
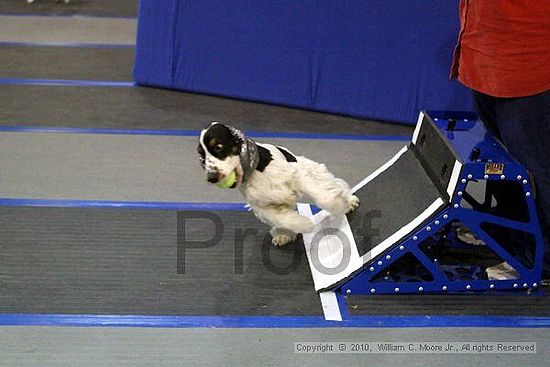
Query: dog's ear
[
  {"x": 202, "y": 155},
  {"x": 238, "y": 139}
]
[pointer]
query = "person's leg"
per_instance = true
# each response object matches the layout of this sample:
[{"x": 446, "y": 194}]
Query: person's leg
[
  {"x": 485, "y": 106},
  {"x": 524, "y": 126}
]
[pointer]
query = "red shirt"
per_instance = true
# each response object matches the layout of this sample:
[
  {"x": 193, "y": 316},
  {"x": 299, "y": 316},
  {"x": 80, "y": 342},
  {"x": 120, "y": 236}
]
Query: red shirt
[{"x": 503, "y": 48}]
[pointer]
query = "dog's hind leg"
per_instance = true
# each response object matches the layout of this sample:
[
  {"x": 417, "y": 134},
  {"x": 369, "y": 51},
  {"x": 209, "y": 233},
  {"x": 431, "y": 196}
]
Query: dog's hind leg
[
  {"x": 283, "y": 217},
  {"x": 327, "y": 192}
]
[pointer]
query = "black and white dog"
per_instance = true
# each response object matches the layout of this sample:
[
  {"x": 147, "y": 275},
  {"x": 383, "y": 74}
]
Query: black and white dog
[{"x": 272, "y": 179}]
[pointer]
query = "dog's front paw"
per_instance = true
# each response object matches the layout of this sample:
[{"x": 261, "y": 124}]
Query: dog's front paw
[
  {"x": 353, "y": 203},
  {"x": 281, "y": 240}
]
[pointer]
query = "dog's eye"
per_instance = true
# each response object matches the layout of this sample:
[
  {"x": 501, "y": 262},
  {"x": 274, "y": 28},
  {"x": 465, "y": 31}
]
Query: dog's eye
[{"x": 218, "y": 149}]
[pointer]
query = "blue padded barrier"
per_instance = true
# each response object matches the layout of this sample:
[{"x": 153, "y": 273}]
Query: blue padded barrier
[{"x": 377, "y": 59}]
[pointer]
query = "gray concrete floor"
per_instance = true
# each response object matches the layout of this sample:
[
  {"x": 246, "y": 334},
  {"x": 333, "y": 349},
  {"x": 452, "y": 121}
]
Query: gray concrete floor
[
  {"x": 148, "y": 168},
  {"x": 58, "y": 347},
  {"x": 67, "y": 30}
]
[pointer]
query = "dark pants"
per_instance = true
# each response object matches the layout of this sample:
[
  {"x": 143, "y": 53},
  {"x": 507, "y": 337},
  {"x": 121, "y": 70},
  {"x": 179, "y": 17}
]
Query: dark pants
[{"x": 523, "y": 126}]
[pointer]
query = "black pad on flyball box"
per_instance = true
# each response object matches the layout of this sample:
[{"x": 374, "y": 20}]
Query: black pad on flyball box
[
  {"x": 399, "y": 197},
  {"x": 391, "y": 201},
  {"x": 435, "y": 154}
]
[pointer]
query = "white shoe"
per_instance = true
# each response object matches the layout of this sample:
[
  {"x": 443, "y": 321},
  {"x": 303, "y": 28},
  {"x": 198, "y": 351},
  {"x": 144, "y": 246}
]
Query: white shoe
[{"x": 501, "y": 271}]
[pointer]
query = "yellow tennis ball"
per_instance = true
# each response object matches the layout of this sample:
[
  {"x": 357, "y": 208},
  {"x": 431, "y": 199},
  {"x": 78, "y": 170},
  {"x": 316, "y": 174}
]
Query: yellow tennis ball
[{"x": 228, "y": 182}]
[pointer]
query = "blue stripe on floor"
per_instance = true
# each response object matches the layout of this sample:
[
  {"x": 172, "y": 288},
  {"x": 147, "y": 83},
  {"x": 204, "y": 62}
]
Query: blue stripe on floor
[
  {"x": 71, "y": 130},
  {"x": 64, "y": 203},
  {"x": 66, "y": 82},
  {"x": 65, "y": 44},
  {"x": 252, "y": 134},
  {"x": 272, "y": 321}
]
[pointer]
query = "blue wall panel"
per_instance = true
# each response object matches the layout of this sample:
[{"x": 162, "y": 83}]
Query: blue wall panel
[{"x": 378, "y": 59}]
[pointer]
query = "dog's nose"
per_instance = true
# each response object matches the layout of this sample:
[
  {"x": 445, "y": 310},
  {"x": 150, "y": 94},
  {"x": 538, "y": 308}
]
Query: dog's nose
[{"x": 212, "y": 177}]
